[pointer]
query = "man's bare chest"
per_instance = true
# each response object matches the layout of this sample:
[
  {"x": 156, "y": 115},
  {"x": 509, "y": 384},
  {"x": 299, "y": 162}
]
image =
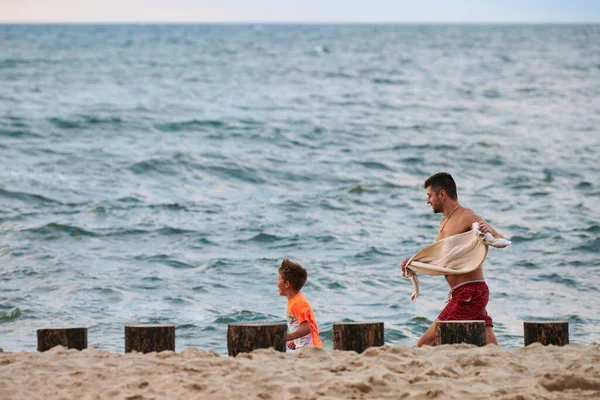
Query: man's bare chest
[{"x": 449, "y": 230}]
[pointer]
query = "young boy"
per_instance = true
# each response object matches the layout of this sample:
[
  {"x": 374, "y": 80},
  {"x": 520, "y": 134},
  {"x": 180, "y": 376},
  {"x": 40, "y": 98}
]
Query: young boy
[{"x": 301, "y": 320}]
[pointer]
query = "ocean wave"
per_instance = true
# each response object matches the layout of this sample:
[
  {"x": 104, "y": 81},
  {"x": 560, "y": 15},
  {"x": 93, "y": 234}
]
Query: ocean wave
[
  {"x": 12, "y": 63},
  {"x": 419, "y": 322},
  {"x": 130, "y": 200},
  {"x": 30, "y": 198},
  {"x": 168, "y": 260},
  {"x": 244, "y": 316},
  {"x": 180, "y": 163},
  {"x": 584, "y": 185},
  {"x": 243, "y": 173},
  {"x": 555, "y": 278},
  {"x": 336, "y": 286},
  {"x": 84, "y": 121},
  {"x": 264, "y": 238},
  {"x": 176, "y": 301},
  {"x": 360, "y": 189},
  {"x": 441, "y": 147},
  {"x": 332, "y": 204},
  {"x": 519, "y": 182},
  {"x": 593, "y": 228},
  {"x": 53, "y": 229},
  {"x": 18, "y": 133},
  {"x": 516, "y": 239},
  {"x": 170, "y": 166},
  {"x": 375, "y": 165},
  {"x": 104, "y": 291},
  {"x": 492, "y": 94},
  {"x": 388, "y": 81},
  {"x": 188, "y": 125},
  {"x": 394, "y": 335},
  {"x": 9, "y": 316},
  {"x": 168, "y": 231},
  {"x": 167, "y": 206},
  {"x": 339, "y": 75},
  {"x": 590, "y": 246},
  {"x": 372, "y": 252},
  {"x": 527, "y": 264},
  {"x": 413, "y": 160}
]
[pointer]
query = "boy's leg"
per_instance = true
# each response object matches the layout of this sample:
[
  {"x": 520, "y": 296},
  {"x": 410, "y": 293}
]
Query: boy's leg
[
  {"x": 490, "y": 337},
  {"x": 429, "y": 337}
]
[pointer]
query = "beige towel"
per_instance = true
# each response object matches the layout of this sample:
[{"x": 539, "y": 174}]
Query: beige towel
[{"x": 454, "y": 255}]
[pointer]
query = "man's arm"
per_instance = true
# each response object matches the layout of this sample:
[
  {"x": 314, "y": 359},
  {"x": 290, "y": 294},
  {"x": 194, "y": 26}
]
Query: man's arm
[{"x": 484, "y": 227}]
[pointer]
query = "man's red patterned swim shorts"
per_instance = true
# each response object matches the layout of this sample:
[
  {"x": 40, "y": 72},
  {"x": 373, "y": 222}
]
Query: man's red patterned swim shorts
[{"x": 467, "y": 303}]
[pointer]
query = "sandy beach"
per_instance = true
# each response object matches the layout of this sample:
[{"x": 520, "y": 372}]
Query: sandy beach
[{"x": 446, "y": 372}]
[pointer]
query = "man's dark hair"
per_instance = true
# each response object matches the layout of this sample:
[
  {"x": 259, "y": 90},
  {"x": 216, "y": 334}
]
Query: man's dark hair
[
  {"x": 442, "y": 181},
  {"x": 293, "y": 273}
]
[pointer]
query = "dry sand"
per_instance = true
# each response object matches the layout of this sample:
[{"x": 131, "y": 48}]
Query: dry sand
[{"x": 446, "y": 372}]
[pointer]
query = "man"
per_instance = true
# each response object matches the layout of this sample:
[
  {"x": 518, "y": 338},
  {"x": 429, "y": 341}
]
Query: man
[{"x": 469, "y": 293}]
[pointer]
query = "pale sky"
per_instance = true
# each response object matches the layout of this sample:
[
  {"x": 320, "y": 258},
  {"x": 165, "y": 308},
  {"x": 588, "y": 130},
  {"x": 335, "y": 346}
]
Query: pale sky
[{"x": 411, "y": 11}]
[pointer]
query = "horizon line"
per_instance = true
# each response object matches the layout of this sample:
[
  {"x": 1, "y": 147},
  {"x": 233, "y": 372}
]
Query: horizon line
[{"x": 157, "y": 22}]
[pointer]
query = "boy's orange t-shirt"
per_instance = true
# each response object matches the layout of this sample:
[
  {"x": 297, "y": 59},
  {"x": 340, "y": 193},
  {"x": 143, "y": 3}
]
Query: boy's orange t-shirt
[{"x": 298, "y": 311}]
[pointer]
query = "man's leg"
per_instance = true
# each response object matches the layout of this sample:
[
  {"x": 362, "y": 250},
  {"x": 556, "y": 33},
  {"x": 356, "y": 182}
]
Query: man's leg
[
  {"x": 490, "y": 337},
  {"x": 429, "y": 337}
]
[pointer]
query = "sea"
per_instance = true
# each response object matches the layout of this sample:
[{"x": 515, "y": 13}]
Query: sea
[{"x": 161, "y": 173}]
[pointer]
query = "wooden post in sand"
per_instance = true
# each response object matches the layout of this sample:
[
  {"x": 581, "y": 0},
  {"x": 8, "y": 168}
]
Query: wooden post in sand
[
  {"x": 357, "y": 336},
  {"x": 71, "y": 338},
  {"x": 455, "y": 332},
  {"x": 149, "y": 338},
  {"x": 245, "y": 337},
  {"x": 546, "y": 332}
]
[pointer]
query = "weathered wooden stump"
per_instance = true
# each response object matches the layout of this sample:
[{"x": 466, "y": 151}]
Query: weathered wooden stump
[
  {"x": 357, "y": 336},
  {"x": 71, "y": 338},
  {"x": 245, "y": 337},
  {"x": 149, "y": 338},
  {"x": 455, "y": 332},
  {"x": 546, "y": 332}
]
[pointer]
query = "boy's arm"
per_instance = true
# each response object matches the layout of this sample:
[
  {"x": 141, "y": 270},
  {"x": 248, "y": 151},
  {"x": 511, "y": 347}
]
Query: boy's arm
[{"x": 304, "y": 330}]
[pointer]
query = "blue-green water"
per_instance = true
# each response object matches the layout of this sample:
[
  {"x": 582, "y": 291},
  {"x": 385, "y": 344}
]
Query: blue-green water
[{"x": 161, "y": 173}]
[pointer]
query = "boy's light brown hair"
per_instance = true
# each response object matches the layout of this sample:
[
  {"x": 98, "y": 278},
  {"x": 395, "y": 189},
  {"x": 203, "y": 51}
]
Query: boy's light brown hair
[{"x": 293, "y": 273}]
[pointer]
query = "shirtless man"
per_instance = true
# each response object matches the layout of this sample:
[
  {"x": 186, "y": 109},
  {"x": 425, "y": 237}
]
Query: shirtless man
[{"x": 468, "y": 291}]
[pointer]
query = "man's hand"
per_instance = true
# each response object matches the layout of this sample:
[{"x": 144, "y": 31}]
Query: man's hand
[
  {"x": 403, "y": 265},
  {"x": 291, "y": 345},
  {"x": 484, "y": 227}
]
